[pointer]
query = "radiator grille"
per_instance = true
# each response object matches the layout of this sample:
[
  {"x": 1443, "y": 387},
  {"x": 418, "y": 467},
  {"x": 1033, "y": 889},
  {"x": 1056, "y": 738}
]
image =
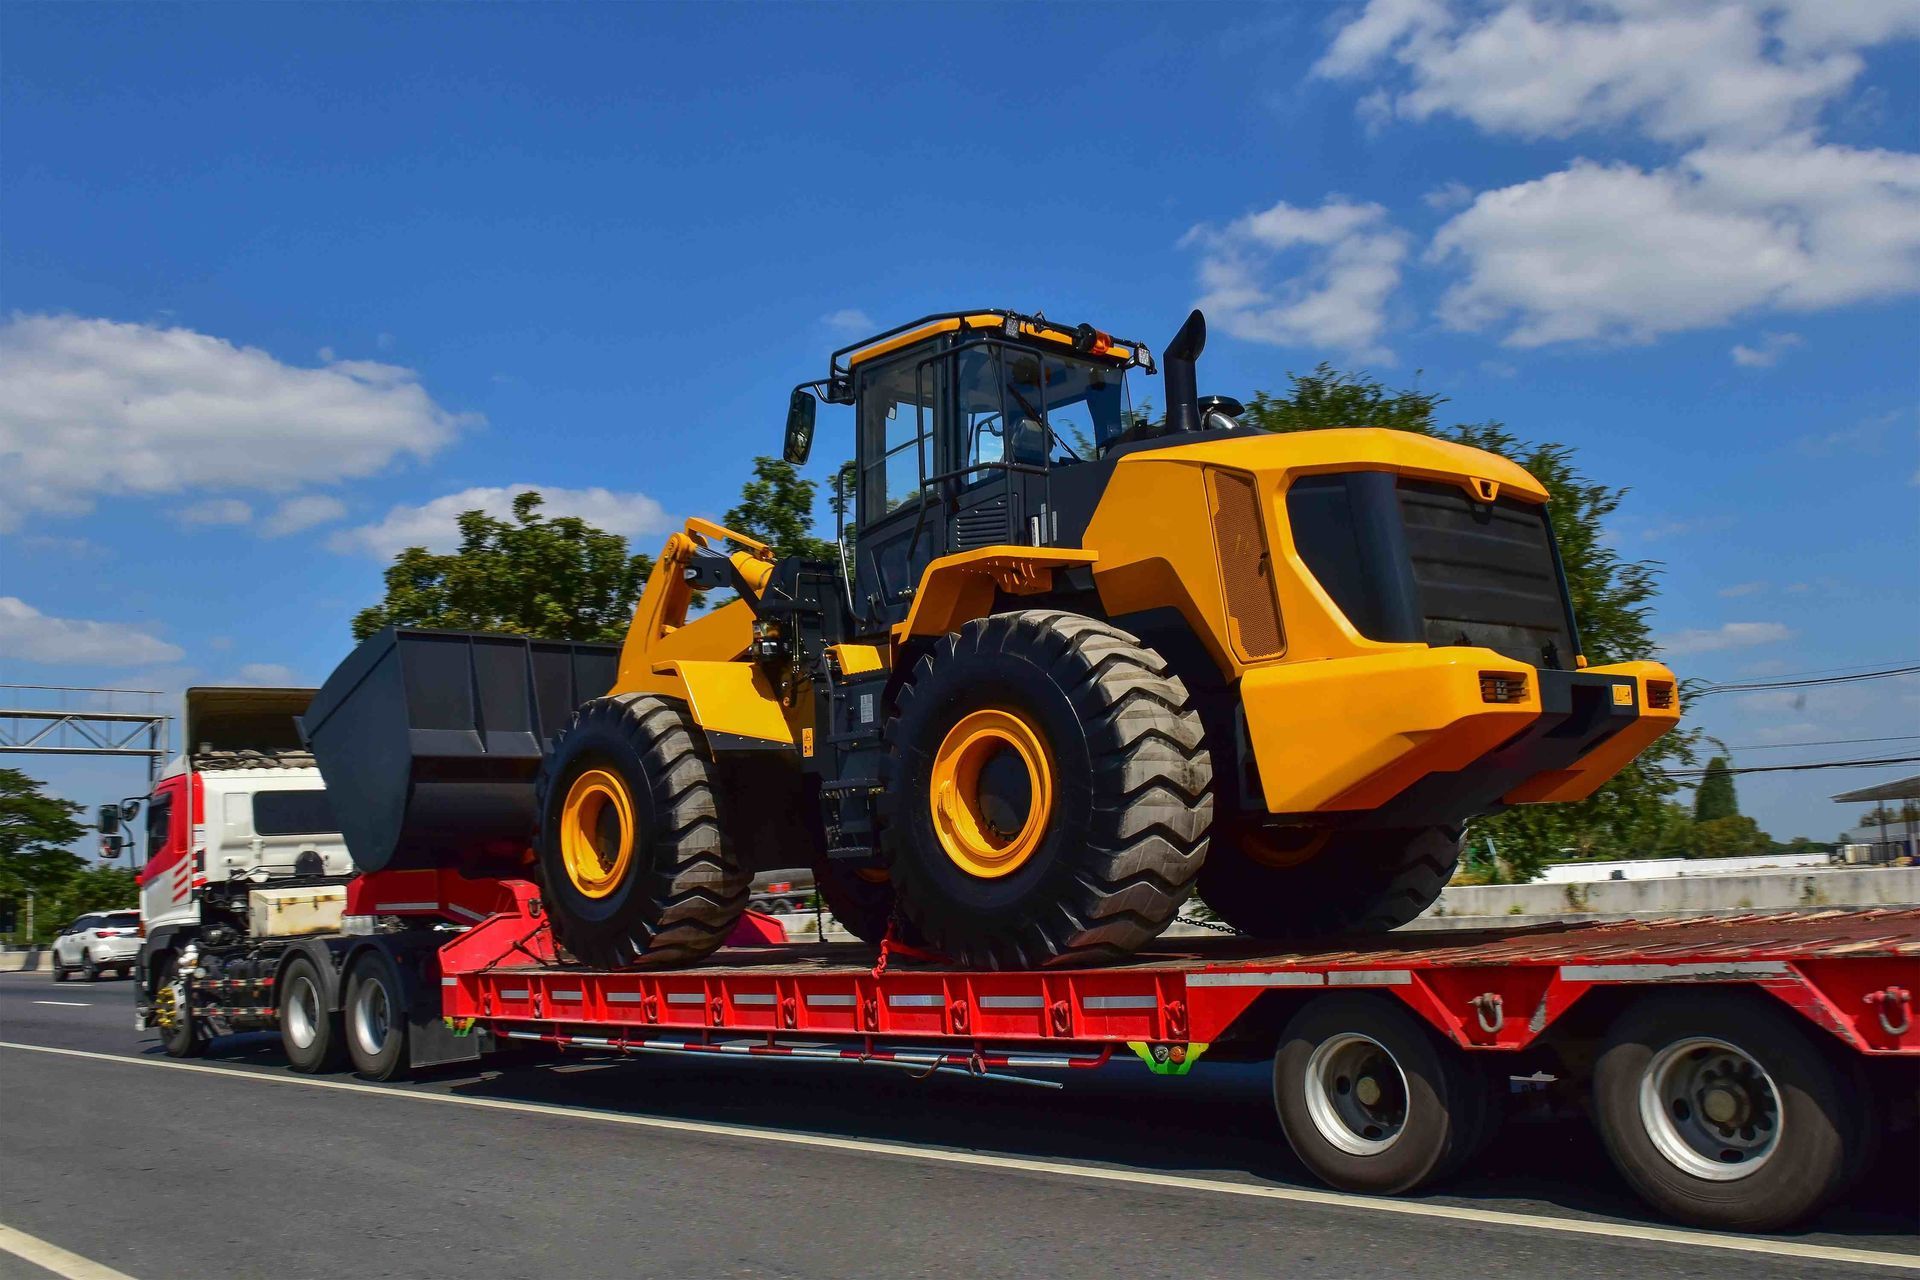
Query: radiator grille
[
  {"x": 1245, "y": 569},
  {"x": 1486, "y": 574}
]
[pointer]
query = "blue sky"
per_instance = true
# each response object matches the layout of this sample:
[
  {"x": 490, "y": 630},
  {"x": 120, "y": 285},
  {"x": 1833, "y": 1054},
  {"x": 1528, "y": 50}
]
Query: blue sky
[{"x": 284, "y": 287}]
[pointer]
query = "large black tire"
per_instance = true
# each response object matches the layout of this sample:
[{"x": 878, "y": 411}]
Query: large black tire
[
  {"x": 1372, "y": 1100},
  {"x": 1114, "y": 849},
  {"x": 310, "y": 1032},
  {"x": 863, "y": 904},
  {"x": 676, "y": 895},
  {"x": 1359, "y": 882},
  {"x": 376, "y": 1019},
  {"x": 183, "y": 1039},
  {"x": 1810, "y": 1107}
]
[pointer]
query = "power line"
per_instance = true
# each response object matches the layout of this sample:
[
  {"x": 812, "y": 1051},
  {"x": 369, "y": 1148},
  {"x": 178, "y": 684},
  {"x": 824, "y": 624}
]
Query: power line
[
  {"x": 1823, "y": 742},
  {"x": 1798, "y": 768},
  {"x": 1751, "y": 685}
]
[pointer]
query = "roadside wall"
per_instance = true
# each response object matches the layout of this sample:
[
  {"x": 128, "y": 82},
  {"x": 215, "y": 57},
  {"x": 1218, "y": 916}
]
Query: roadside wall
[{"x": 1470, "y": 906}]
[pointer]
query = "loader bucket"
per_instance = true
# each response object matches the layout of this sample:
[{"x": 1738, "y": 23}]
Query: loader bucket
[{"x": 430, "y": 742}]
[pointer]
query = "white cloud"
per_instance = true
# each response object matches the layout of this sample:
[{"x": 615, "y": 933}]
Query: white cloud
[
  {"x": 271, "y": 675},
  {"x": 1739, "y": 589},
  {"x": 1342, "y": 264},
  {"x": 1728, "y": 635},
  {"x": 1448, "y": 195},
  {"x": 1679, "y": 72},
  {"x": 849, "y": 320},
  {"x": 1616, "y": 252},
  {"x": 432, "y": 524},
  {"x": 1765, "y": 355},
  {"x": 32, "y": 636},
  {"x": 91, "y": 407},
  {"x": 296, "y": 514},
  {"x": 216, "y": 511}
]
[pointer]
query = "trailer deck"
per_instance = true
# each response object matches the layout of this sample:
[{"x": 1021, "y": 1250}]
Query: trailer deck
[{"x": 1850, "y": 972}]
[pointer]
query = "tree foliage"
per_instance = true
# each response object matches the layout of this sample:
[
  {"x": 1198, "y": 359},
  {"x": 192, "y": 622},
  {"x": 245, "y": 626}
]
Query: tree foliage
[
  {"x": 1713, "y": 799},
  {"x": 776, "y": 506},
  {"x": 1611, "y": 599},
  {"x": 558, "y": 579},
  {"x": 35, "y": 830}
]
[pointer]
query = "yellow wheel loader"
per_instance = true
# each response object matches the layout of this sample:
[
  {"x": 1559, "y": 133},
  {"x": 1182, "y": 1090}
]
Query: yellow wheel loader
[
  {"x": 1072, "y": 665},
  {"x": 1069, "y": 666}
]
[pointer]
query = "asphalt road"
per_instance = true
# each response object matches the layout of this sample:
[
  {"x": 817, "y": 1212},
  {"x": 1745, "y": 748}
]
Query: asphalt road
[{"x": 237, "y": 1167}]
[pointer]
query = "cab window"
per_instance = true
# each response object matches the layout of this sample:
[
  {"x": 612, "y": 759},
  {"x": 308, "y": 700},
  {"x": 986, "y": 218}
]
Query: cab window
[
  {"x": 159, "y": 822},
  {"x": 896, "y": 423},
  {"x": 1086, "y": 406}
]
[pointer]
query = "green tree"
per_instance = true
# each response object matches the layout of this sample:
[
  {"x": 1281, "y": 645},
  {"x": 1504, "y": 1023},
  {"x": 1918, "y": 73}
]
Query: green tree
[
  {"x": 558, "y": 579},
  {"x": 35, "y": 829},
  {"x": 776, "y": 506},
  {"x": 1714, "y": 799},
  {"x": 1611, "y": 599},
  {"x": 1731, "y": 836},
  {"x": 90, "y": 889}
]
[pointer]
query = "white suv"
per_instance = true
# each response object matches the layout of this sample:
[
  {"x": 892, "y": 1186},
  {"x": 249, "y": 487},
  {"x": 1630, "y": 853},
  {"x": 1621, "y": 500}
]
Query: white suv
[{"x": 103, "y": 940}]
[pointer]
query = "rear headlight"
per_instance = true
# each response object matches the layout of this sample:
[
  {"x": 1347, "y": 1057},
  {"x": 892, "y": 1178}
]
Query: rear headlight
[{"x": 109, "y": 933}]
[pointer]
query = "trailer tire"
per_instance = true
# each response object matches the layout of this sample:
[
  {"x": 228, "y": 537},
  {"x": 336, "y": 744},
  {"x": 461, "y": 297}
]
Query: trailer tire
[
  {"x": 183, "y": 1039},
  {"x": 1352, "y": 1123},
  {"x": 376, "y": 1019},
  {"x": 1354, "y": 882},
  {"x": 1100, "y": 772},
  {"x": 1793, "y": 1127},
  {"x": 635, "y": 861},
  {"x": 310, "y": 1033}
]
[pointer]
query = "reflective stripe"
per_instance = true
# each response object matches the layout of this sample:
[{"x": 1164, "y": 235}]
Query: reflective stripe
[
  {"x": 625, "y": 997},
  {"x": 515, "y": 995},
  {"x": 449, "y": 982},
  {"x": 1655, "y": 972},
  {"x": 685, "y": 997},
  {"x": 1013, "y": 1002},
  {"x": 406, "y": 906},
  {"x": 1369, "y": 978},
  {"x": 830, "y": 1002},
  {"x": 916, "y": 1002},
  {"x": 1121, "y": 1002},
  {"x": 568, "y": 995},
  {"x": 1277, "y": 978},
  {"x": 754, "y": 998}
]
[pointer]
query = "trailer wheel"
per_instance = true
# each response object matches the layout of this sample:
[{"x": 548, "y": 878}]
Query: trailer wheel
[
  {"x": 636, "y": 866},
  {"x": 1725, "y": 1113},
  {"x": 376, "y": 1019},
  {"x": 1050, "y": 793},
  {"x": 309, "y": 1031},
  {"x": 173, "y": 1011},
  {"x": 1354, "y": 882},
  {"x": 1370, "y": 1100}
]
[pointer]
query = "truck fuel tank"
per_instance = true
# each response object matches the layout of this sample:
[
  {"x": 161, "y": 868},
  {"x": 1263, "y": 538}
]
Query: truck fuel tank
[{"x": 430, "y": 742}]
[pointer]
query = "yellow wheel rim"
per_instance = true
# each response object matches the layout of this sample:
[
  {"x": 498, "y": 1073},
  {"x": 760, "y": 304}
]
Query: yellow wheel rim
[
  {"x": 597, "y": 832},
  {"x": 977, "y": 828}
]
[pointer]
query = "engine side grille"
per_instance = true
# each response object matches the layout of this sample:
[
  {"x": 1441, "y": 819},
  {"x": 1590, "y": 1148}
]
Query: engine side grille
[
  {"x": 1486, "y": 574},
  {"x": 1245, "y": 569},
  {"x": 981, "y": 526}
]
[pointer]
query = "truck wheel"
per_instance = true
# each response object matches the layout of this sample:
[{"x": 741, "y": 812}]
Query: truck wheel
[
  {"x": 1050, "y": 793},
  {"x": 1371, "y": 1100},
  {"x": 172, "y": 1012},
  {"x": 635, "y": 864},
  {"x": 1356, "y": 882},
  {"x": 1723, "y": 1112},
  {"x": 308, "y": 1029},
  {"x": 376, "y": 1019},
  {"x": 859, "y": 898}
]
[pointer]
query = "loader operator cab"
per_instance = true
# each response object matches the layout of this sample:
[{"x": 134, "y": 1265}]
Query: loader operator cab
[{"x": 963, "y": 422}]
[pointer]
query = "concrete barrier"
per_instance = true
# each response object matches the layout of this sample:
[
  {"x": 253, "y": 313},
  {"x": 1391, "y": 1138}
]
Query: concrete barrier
[
  {"x": 21, "y": 961},
  {"x": 1481, "y": 906}
]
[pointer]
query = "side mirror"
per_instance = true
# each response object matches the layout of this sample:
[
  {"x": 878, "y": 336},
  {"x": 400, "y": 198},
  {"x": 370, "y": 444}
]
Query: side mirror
[
  {"x": 112, "y": 847},
  {"x": 109, "y": 819},
  {"x": 800, "y": 410}
]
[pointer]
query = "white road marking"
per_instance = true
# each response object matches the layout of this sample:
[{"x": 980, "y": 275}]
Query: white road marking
[
  {"x": 1623, "y": 1231},
  {"x": 67, "y": 1004},
  {"x": 51, "y": 1257}
]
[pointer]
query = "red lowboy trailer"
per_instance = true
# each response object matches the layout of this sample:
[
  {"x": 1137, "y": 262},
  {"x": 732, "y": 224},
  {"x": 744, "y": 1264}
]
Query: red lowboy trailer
[{"x": 1741, "y": 1069}]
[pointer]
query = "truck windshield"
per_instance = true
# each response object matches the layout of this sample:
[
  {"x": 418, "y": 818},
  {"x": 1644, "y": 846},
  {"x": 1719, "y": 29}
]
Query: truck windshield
[
  {"x": 293, "y": 813},
  {"x": 1085, "y": 405}
]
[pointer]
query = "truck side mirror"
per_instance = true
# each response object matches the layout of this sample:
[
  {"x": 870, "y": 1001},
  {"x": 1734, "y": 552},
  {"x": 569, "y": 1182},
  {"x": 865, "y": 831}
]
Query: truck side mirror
[
  {"x": 109, "y": 819},
  {"x": 112, "y": 846},
  {"x": 800, "y": 410}
]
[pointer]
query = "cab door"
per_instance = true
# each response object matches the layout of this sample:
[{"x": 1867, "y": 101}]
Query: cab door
[{"x": 902, "y": 524}]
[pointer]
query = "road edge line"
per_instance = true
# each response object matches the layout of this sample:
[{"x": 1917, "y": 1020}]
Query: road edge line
[{"x": 51, "y": 1257}]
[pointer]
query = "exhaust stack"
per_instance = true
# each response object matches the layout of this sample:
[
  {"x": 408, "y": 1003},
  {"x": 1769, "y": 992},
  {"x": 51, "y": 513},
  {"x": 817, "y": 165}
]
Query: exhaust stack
[{"x": 1183, "y": 395}]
